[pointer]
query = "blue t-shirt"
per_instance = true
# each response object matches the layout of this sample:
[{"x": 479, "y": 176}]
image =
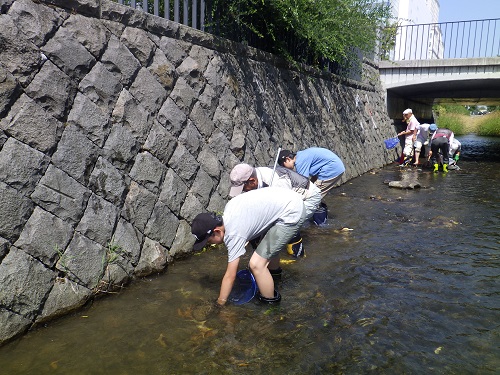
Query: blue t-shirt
[{"x": 321, "y": 162}]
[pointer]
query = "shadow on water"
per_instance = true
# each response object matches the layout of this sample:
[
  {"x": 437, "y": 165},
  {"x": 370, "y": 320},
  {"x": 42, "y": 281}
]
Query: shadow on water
[{"x": 399, "y": 281}]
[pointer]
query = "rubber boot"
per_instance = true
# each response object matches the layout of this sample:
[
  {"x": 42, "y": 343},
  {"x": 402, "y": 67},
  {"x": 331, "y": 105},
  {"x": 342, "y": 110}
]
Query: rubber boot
[
  {"x": 276, "y": 273},
  {"x": 295, "y": 248},
  {"x": 445, "y": 168},
  {"x": 270, "y": 301},
  {"x": 436, "y": 167}
]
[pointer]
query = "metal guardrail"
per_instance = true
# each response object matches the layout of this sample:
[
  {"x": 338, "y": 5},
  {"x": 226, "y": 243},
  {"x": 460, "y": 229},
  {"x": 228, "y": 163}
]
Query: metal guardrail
[{"x": 447, "y": 40}]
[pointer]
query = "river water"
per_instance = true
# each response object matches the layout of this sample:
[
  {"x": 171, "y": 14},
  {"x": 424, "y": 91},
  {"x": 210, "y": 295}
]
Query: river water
[{"x": 399, "y": 281}]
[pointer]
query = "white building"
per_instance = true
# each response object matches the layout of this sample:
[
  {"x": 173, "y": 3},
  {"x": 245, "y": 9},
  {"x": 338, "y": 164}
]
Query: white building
[{"x": 417, "y": 42}]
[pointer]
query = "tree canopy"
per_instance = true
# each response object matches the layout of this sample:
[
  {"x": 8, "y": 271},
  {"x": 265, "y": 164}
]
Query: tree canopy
[{"x": 304, "y": 30}]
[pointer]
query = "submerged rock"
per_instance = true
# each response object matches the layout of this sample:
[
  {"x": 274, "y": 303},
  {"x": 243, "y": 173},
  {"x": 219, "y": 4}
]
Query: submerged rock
[{"x": 409, "y": 180}]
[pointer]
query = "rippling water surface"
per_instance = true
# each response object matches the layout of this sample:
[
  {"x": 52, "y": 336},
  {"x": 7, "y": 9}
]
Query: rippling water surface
[{"x": 400, "y": 281}]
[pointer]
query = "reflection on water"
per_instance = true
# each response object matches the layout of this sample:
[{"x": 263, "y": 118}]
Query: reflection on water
[{"x": 412, "y": 288}]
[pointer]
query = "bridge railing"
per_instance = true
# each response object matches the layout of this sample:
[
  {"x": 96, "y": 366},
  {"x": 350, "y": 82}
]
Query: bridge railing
[{"x": 447, "y": 40}]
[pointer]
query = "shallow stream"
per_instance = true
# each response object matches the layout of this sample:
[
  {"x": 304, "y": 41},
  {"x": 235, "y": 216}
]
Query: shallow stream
[{"x": 399, "y": 281}]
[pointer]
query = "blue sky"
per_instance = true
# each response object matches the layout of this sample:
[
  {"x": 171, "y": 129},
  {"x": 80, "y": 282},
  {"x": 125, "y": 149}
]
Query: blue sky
[{"x": 465, "y": 10}]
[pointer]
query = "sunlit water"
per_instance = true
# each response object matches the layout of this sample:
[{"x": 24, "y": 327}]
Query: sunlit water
[{"x": 400, "y": 281}]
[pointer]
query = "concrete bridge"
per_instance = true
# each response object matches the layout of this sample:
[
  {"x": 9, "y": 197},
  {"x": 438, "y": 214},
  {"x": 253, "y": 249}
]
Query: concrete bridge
[
  {"x": 450, "y": 62},
  {"x": 419, "y": 84}
]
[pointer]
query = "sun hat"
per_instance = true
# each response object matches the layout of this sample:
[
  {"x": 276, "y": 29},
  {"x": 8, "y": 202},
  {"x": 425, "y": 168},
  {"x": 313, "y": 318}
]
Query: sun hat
[
  {"x": 238, "y": 176},
  {"x": 202, "y": 228}
]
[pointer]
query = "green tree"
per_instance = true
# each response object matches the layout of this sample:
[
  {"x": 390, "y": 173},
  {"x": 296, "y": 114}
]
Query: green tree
[{"x": 304, "y": 30}]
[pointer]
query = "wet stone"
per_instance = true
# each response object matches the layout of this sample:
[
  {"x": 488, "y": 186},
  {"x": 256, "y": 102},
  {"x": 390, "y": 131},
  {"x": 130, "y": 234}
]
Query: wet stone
[
  {"x": 82, "y": 261},
  {"x": 153, "y": 259},
  {"x": 25, "y": 283},
  {"x": 65, "y": 296}
]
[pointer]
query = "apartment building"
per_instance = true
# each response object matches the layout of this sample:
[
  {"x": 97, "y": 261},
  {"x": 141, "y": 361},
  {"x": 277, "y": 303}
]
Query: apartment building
[{"x": 417, "y": 42}]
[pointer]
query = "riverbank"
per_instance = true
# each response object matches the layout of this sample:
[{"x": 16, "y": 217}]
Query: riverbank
[{"x": 488, "y": 124}]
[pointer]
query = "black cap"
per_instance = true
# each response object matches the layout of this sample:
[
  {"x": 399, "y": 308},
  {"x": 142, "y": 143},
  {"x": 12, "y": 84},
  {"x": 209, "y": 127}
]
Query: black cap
[
  {"x": 202, "y": 228},
  {"x": 283, "y": 155}
]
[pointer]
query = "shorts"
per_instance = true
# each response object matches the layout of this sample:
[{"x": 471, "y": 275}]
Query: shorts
[
  {"x": 418, "y": 146},
  {"x": 408, "y": 150},
  {"x": 277, "y": 237},
  {"x": 326, "y": 185}
]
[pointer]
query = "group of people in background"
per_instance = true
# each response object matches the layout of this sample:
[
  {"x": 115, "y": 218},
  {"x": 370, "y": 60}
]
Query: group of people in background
[
  {"x": 268, "y": 206},
  {"x": 443, "y": 149}
]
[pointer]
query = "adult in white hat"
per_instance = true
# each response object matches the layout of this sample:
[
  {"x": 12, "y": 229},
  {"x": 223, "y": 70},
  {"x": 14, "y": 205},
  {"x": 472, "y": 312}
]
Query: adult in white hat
[{"x": 410, "y": 135}]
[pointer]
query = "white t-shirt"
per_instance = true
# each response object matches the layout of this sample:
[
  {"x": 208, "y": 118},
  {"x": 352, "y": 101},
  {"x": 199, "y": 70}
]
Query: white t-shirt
[
  {"x": 248, "y": 215},
  {"x": 265, "y": 174},
  {"x": 423, "y": 132}
]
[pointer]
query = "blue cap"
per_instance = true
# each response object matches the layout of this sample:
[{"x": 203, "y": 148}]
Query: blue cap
[{"x": 433, "y": 127}]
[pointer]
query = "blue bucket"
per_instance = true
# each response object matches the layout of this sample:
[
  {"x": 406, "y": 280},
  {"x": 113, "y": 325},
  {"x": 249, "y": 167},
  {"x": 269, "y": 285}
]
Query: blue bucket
[
  {"x": 244, "y": 288},
  {"x": 391, "y": 143}
]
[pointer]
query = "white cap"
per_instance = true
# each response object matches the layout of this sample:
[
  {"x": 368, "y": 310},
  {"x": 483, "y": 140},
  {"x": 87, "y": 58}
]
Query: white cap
[{"x": 407, "y": 111}]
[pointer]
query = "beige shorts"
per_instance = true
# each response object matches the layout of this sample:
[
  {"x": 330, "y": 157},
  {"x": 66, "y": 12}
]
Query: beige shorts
[{"x": 326, "y": 185}]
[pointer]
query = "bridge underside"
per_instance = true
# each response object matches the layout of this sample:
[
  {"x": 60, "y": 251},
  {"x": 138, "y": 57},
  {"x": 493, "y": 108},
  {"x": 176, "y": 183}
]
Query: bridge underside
[
  {"x": 420, "y": 84},
  {"x": 422, "y": 96}
]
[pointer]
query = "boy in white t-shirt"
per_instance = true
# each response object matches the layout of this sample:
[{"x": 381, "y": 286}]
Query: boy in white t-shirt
[{"x": 277, "y": 212}]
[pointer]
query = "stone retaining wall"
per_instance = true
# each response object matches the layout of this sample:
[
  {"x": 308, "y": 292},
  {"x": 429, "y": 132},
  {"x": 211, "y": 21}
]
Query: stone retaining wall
[{"x": 118, "y": 127}]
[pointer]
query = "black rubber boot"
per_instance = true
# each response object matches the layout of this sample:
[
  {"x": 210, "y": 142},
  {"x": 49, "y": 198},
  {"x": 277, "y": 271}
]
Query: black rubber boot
[
  {"x": 276, "y": 273},
  {"x": 270, "y": 301}
]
